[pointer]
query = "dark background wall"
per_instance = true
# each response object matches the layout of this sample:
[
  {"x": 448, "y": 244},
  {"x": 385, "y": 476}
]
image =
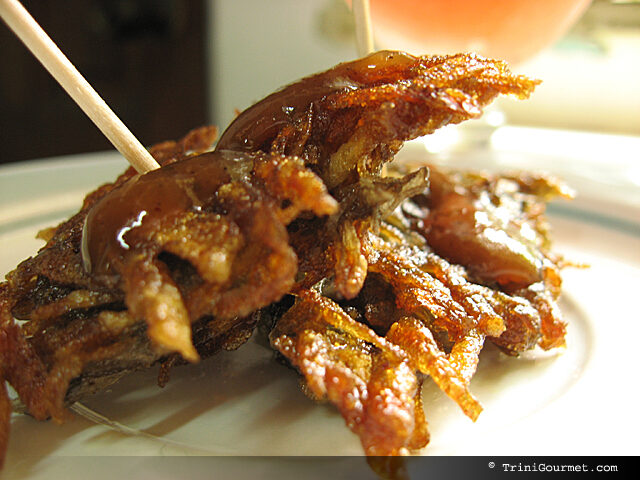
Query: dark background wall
[{"x": 146, "y": 58}]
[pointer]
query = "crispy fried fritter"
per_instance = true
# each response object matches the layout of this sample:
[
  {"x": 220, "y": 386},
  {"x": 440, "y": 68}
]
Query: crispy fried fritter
[{"x": 394, "y": 278}]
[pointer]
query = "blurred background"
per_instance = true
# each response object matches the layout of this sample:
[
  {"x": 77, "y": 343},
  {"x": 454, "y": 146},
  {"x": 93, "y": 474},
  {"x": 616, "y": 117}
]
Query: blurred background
[{"x": 166, "y": 66}]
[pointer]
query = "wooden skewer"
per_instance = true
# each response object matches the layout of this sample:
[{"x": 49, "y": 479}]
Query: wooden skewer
[
  {"x": 46, "y": 51},
  {"x": 364, "y": 31}
]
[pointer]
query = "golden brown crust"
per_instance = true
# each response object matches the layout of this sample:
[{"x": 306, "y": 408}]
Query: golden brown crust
[{"x": 363, "y": 375}]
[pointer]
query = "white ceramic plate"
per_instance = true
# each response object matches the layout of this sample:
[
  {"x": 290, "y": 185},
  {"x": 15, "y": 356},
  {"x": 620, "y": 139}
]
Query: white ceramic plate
[{"x": 580, "y": 401}]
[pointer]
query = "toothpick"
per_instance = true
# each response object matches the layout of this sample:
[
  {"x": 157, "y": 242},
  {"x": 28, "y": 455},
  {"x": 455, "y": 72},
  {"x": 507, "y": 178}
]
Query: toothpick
[
  {"x": 46, "y": 51},
  {"x": 364, "y": 31}
]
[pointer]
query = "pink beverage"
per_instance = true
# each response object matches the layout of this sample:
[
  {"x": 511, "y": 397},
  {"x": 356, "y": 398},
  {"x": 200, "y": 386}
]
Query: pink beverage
[{"x": 512, "y": 30}]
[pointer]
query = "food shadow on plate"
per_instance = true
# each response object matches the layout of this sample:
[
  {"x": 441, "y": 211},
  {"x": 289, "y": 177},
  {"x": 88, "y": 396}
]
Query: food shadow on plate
[
  {"x": 33, "y": 441},
  {"x": 193, "y": 390},
  {"x": 253, "y": 399}
]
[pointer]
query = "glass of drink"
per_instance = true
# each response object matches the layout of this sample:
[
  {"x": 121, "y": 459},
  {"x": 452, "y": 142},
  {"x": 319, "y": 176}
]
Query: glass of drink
[{"x": 511, "y": 30}]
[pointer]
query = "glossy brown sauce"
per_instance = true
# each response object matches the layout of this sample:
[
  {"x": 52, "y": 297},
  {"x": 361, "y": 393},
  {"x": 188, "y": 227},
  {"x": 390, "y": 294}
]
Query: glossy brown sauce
[
  {"x": 464, "y": 234},
  {"x": 254, "y": 128},
  {"x": 128, "y": 217}
]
